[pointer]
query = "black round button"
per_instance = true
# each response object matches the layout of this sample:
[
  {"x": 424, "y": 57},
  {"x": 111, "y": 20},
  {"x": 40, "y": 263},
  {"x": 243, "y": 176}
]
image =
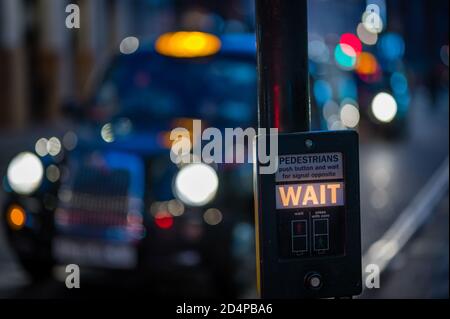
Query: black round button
[{"x": 313, "y": 281}]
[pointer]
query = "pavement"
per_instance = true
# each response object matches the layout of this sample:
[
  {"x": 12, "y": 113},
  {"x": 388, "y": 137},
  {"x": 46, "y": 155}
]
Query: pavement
[{"x": 420, "y": 271}]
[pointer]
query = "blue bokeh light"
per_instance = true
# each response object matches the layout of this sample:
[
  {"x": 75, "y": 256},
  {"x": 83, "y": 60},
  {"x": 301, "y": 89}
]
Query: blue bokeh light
[
  {"x": 391, "y": 46},
  {"x": 322, "y": 92}
]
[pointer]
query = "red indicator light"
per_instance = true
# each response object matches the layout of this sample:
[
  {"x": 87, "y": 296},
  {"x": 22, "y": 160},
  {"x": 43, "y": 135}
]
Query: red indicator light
[
  {"x": 164, "y": 220},
  {"x": 299, "y": 229}
]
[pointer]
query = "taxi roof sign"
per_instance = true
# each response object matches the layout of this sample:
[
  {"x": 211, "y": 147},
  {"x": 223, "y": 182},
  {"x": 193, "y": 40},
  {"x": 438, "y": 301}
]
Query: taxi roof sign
[{"x": 186, "y": 44}]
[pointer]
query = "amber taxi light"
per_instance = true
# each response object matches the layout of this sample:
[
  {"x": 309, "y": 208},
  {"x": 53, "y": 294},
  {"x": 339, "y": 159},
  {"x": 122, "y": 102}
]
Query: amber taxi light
[
  {"x": 188, "y": 44},
  {"x": 16, "y": 217}
]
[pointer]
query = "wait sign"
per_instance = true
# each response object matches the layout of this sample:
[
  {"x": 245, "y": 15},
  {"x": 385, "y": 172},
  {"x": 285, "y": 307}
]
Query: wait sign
[{"x": 309, "y": 195}]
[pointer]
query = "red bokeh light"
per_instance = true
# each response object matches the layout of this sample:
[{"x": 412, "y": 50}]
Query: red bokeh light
[
  {"x": 164, "y": 220},
  {"x": 352, "y": 41}
]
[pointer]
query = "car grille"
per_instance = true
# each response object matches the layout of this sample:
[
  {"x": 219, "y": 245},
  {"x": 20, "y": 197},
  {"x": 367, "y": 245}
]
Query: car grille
[
  {"x": 97, "y": 202},
  {"x": 96, "y": 198}
]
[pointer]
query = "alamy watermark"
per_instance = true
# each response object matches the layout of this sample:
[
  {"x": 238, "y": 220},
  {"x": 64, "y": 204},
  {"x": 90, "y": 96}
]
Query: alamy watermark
[
  {"x": 232, "y": 147},
  {"x": 373, "y": 276},
  {"x": 73, "y": 17},
  {"x": 73, "y": 277}
]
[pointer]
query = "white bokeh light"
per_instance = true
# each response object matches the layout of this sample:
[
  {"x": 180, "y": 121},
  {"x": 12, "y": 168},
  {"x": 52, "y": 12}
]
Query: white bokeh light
[
  {"x": 129, "y": 45},
  {"x": 107, "y": 133},
  {"x": 350, "y": 115},
  {"x": 70, "y": 140},
  {"x": 25, "y": 173},
  {"x": 213, "y": 216},
  {"x": 384, "y": 107},
  {"x": 372, "y": 20},
  {"x": 196, "y": 184},
  {"x": 54, "y": 146},
  {"x": 41, "y": 147},
  {"x": 53, "y": 173},
  {"x": 366, "y": 36}
]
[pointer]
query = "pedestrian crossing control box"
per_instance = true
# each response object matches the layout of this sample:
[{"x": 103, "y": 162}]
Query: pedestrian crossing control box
[{"x": 307, "y": 215}]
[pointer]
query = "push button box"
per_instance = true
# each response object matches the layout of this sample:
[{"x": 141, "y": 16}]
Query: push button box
[{"x": 308, "y": 217}]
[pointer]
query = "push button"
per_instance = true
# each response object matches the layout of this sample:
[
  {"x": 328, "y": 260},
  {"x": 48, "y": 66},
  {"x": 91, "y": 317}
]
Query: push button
[{"x": 313, "y": 281}]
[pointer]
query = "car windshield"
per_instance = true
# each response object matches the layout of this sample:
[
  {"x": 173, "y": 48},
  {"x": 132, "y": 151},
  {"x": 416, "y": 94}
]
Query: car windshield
[{"x": 151, "y": 89}]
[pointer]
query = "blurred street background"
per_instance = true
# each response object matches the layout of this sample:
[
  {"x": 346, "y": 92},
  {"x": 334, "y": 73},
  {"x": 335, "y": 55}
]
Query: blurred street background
[{"x": 85, "y": 91}]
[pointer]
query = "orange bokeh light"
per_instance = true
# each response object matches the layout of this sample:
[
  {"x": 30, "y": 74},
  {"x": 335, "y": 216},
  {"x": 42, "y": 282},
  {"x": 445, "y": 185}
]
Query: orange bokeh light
[
  {"x": 16, "y": 217},
  {"x": 366, "y": 64}
]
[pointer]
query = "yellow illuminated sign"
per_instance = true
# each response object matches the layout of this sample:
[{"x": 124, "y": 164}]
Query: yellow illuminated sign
[
  {"x": 188, "y": 44},
  {"x": 309, "y": 195}
]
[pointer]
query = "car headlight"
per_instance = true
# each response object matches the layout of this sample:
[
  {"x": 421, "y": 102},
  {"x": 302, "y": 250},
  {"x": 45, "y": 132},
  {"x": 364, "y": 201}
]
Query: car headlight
[
  {"x": 196, "y": 184},
  {"x": 25, "y": 173}
]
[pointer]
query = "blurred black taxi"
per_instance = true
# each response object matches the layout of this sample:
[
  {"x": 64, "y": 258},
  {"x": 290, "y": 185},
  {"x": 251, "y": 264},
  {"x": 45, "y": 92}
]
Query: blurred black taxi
[{"x": 108, "y": 198}]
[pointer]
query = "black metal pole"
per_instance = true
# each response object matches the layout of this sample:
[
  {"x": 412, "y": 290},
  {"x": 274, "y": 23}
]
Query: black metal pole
[{"x": 282, "y": 41}]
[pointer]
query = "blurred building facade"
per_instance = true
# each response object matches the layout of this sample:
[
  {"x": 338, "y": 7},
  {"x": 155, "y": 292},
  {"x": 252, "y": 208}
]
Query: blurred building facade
[{"x": 45, "y": 65}]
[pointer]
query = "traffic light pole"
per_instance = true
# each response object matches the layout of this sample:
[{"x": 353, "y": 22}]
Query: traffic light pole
[
  {"x": 282, "y": 49},
  {"x": 298, "y": 217}
]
